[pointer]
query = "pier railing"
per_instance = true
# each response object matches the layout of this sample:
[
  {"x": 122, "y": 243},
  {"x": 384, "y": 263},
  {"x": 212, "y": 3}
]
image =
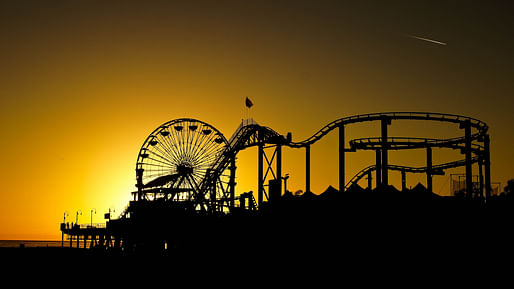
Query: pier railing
[{"x": 92, "y": 226}]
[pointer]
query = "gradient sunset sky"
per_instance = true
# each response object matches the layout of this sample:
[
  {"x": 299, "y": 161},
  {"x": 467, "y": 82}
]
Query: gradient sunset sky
[{"x": 83, "y": 83}]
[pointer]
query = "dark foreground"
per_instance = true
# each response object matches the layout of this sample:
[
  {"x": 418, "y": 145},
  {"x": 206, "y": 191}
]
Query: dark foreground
[{"x": 360, "y": 235}]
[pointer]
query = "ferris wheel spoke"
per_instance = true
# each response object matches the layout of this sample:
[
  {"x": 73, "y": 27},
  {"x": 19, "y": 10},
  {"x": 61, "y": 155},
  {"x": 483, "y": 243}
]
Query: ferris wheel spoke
[
  {"x": 201, "y": 141},
  {"x": 206, "y": 141},
  {"x": 162, "y": 161},
  {"x": 198, "y": 176},
  {"x": 155, "y": 165},
  {"x": 162, "y": 146},
  {"x": 212, "y": 145},
  {"x": 214, "y": 152},
  {"x": 207, "y": 161},
  {"x": 168, "y": 171},
  {"x": 201, "y": 156},
  {"x": 163, "y": 158},
  {"x": 164, "y": 152},
  {"x": 165, "y": 141},
  {"x": 191, "y": 136},
  {"x": 166, "y": 164},
  {"x": 177, "y": 138},
  {"x": 210, "y": 140},
  {"x": 199, "y": 138},
  {"x": 187, "y": 138},
  {"x": 194, "y": 143},
  {"x": 168, "y": 145}
]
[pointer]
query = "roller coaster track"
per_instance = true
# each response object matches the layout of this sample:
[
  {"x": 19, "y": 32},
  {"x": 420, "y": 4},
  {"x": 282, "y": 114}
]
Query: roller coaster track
[
  {"x": 452, "y": 118},
  {"x": 247, "y": 134},
  {"x": 399, "y": 143},
  {"x": 438, "y": 169},
  {"x": 250, "y": 134}
]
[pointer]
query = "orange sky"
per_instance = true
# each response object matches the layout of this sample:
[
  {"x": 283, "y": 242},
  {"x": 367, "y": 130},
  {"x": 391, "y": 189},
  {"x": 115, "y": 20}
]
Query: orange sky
[{"x": 83, "y": 84}]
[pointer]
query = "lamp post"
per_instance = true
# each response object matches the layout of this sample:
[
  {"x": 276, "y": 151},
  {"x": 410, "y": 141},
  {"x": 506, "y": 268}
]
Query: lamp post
[
  {"x": 285, "y": 182},
  {"x": 63, "y": 226},
  {"x": 79, "y": 212},
  {"x": 108, "y": 215},
  {"x": 92, "y": 210}
]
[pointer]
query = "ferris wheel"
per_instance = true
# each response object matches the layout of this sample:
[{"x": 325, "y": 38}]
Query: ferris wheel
[{"x": 176, "y": 158}]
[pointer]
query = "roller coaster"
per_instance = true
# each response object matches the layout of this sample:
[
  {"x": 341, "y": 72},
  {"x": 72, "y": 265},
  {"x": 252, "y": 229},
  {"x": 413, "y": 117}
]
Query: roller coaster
[
  {"x": 186, "y": 166},
  {"x": 187, "y": 159}
]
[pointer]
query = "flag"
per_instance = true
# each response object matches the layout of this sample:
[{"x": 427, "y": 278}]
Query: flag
[{"x": 248, "y": 102}]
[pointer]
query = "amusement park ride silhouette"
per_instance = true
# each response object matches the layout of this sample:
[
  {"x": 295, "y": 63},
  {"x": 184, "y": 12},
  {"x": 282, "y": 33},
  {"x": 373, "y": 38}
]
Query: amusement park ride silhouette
[{"x": 186, "y": 179}]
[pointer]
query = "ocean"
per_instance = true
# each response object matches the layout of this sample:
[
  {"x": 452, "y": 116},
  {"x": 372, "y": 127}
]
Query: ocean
[{"x": 30, "y": 243}]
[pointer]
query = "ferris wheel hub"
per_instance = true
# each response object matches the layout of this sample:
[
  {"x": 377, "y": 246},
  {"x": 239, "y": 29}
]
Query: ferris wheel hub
[{"x": 184, "y": 169}]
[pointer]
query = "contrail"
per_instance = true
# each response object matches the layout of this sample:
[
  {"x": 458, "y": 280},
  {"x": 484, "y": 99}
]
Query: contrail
[{"x": 426, "y": 39}]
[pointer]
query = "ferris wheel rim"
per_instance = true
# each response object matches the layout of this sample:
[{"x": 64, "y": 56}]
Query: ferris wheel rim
[
  {"x": 176, "y": 157},
  {"x": 171, "y": 122}
]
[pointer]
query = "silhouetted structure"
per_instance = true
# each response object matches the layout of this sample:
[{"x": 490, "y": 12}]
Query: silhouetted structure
[{"x": 186, "y": 178}]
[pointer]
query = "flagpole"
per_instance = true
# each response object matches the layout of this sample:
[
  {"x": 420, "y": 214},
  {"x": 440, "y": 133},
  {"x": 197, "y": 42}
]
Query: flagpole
[{"x": 248, "y": 104}]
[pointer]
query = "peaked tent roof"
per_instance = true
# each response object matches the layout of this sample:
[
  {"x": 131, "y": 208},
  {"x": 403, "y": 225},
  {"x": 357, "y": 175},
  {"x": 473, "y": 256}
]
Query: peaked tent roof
[
  {"x": 330, "y": 192},
  {"x": 308, "y": 196}
]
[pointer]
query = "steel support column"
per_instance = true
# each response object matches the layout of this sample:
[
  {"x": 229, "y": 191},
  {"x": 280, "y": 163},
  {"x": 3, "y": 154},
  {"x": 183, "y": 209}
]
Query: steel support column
[
  {"x": 232, "y": 182},
  {"x": 260, "y": 186},
  {"x": 404, "y": 181},
  {"x": 370, "y": 180},
  {"x": 308, "y": 168},
  {"x": 379, "y": 169},
  {"x": 341, "y": 159},
  {"x": 279, "y": 167},
  {"x": 385, "y": 146},
  {"x": 481, "y": 177},
  {"x": 467, "y": 151},
  {"x": 487, "y": 165},
  {"x": 429, "y": 169}
]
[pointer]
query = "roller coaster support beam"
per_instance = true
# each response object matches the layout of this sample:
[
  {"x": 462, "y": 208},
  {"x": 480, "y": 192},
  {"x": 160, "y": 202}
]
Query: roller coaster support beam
[
  {"x": 385, "y": 121},
  {"x": 467, "y": 151},
  {"x": 260, "y": 186},
  {"x": 379, "y": 168},
  {"x": 278, "y": 177},
  {"x": 429, "y": 169},
  {"x": 341, "y": 159},
  {"x": 481, "y": 176},
  {"x": 308, "y": 168},
  {"x": 232, "y": 182},
  {"x": 404, "y": 180},
  {"x": 487, "y": 164},
  {"x": 370, "y": 180}
]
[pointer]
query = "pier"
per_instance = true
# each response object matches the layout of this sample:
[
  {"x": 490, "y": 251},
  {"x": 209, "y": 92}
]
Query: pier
[{"x": 186, "y": 182}]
